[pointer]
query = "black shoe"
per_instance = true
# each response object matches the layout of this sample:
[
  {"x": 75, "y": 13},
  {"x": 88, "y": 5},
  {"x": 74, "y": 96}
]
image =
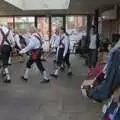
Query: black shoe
[
  {"x": 44, "y": 81},
  {"x": 24, "y": 79},
  {"x": 62, "y": 69},
  {"x": 53, "y": 75},
  {"x": 54, "y": 61},
  {"x": 7, "y": 81},
  {"x": 69, "y": 74}
]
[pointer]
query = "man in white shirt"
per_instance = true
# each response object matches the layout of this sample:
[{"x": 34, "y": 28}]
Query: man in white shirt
[
  {"x": 6, "y": 44},
  {"x": 63, "y": 53},
  {"x": 93, "y": 51},
  {"x": 34, "y": 44},
  {"x": 55, "y": 39}
]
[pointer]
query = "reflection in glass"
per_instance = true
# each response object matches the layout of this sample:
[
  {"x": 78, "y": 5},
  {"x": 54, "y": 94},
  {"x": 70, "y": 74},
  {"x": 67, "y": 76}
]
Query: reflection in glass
[
  {"x": 43, "y": 26},
  {"x": 76, "y": 28},
  {"x": 7, "y": 21},
  {"x": 73, "y": 22},
  {"x": 56, "y": 22},
  {"x": 22, "y": 23}
]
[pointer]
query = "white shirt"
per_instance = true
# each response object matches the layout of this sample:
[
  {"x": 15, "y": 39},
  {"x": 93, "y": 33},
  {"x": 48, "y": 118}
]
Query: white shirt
[
  {"x": 40, "y": 38},
  {"x": 32, "y": 43},
  {"x": 10, "y": 36},
  {"x": 79, "y": 36},
  {"x": 93, "y": 39},
  {"x": 55, "y": 41},
  {"x": 66, "y": 43}
]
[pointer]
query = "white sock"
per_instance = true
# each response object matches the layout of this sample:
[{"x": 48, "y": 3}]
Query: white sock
[
  {"x": 10, "y": 60},
  {"x": 6, "y": 70},
  {"x": 7, "y": 73},
  {"x": 26, "y": 73},
  {"x": 56, "y": 72},
  {"x": 8, "y": 76},
  {"x": 35, "y": 68},
  {"x": 45, "y": 76},
  {"x": 62, "y": 66}
]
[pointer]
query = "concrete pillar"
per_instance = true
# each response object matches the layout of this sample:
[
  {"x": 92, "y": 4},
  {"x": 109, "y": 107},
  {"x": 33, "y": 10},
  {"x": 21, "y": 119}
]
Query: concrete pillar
[
  {"x": 50, "y": 26},
  {"x": 64, "y": 22},
  {"x": 50, "y": 29},
  {"x": 89, "y": 23},
  {"x": 13, "y": 22},
  {"x": 36, "y": 25},
  {"x": 96, "y": 20}
]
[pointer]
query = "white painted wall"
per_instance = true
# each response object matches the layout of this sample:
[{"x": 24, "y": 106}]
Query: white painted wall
[{"x": 40, "y": 4}]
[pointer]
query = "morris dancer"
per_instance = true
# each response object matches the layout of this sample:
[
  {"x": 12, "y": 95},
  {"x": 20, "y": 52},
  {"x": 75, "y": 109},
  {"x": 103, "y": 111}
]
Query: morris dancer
[
  {"x": 34, "y": 45},
  {"x": 6, "y": 45},
  {"x": 63, "y": 53}
]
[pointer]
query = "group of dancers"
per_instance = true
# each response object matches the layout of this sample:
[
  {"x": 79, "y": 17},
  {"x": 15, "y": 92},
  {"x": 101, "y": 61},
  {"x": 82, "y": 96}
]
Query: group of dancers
[{"x": 31, "y": 42}]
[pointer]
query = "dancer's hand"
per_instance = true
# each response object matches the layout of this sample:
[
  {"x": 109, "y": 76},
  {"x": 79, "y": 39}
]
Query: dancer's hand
[
  {"x": 63, "y": 58},
  {"x": 22, "y": 52}
]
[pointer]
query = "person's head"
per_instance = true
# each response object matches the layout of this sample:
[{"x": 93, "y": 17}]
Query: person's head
[
  {"x": 62, "y": 30},
  {"x": 93, "y": 29},
  {"x": 57, "y": 31},
  {"x": 32, "y": 29}
]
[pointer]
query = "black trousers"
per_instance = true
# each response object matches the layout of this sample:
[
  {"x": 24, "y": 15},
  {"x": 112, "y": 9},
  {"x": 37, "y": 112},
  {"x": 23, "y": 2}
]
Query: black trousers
[
  {"x": 5, "y": 51},
  {"x": 92, "y": 58},
  {"x": 38, "y": 63},
  {"x": 61, "y": 60}
]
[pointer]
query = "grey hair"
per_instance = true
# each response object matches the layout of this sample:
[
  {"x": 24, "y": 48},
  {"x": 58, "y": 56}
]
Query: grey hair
[{"x": 33, "y": 28}]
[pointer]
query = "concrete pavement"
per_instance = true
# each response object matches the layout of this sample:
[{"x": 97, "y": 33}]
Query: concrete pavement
[{"x": 61, "y": 99}]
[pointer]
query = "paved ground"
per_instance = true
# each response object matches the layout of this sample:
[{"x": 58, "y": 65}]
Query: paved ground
[{"x": 59, "y": 100}]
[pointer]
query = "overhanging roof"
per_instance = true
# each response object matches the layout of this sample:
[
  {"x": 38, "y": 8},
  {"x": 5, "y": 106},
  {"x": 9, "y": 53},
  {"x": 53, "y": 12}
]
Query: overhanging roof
[
  {"x": 40, "y": 4},
  {"x": 75, "y": 7}
]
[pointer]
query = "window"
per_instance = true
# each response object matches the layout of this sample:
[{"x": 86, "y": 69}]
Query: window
[
  {"x": 74, "y": 22},
  {"x": 7, "y": 21},
  {"x": 56, "y": 22},
  {"x": 22, "y": 23},
  {"x": 43, "y": 26}
]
